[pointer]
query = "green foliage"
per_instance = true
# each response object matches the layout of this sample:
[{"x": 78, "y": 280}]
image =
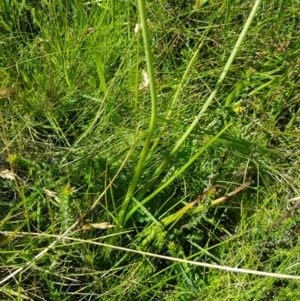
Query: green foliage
[{"x": 110, "y": 135}]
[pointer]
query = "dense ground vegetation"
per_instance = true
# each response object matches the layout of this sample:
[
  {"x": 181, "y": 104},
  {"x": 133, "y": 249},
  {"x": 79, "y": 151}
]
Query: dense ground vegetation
[{"x": 103, "y": 144}]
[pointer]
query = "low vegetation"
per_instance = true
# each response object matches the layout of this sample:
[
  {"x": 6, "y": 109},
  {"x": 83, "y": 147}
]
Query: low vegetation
[{"x": 150, "y": 151}]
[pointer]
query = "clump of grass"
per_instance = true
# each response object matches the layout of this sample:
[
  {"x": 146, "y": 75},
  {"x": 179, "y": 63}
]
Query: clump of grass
[{"x": 111, "y": 137}]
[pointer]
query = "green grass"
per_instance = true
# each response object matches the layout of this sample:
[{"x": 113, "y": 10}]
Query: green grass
[{"x": 109, "y": 136}]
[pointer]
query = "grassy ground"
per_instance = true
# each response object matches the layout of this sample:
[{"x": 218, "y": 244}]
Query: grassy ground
[{"x": 113, "y": 136}]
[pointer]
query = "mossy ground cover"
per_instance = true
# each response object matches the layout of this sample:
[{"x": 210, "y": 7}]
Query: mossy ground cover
[{"x": 121, "y": 126}]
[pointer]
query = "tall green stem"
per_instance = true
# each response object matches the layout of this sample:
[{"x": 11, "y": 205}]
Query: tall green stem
[
  {"x": 206, "y": 104},
  {"x": 150, "y": 70}
]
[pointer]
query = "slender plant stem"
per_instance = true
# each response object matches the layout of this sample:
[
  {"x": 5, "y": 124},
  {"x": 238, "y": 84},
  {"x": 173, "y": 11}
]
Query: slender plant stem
[
  {"x": 221, "y": 79},
  {"x": 154, "y": 255},
  {"x": 162, "y": 166},
  {"x": 153, "y": 117}
]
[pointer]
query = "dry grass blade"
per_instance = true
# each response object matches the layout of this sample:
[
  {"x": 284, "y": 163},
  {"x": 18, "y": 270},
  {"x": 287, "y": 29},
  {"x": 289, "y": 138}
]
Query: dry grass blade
[
  {"x": 235, "y": 191},
  {"x": 171, "y": 218},
  {"x": 286, "y": 214},
  {"x": 6, "y": 174},
  {"x": 4, "y": 93}
]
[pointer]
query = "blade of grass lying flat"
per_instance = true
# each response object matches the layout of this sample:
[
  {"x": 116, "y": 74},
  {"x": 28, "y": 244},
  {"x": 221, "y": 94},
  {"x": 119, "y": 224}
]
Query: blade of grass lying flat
[{"x": 185, "y": 261}]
